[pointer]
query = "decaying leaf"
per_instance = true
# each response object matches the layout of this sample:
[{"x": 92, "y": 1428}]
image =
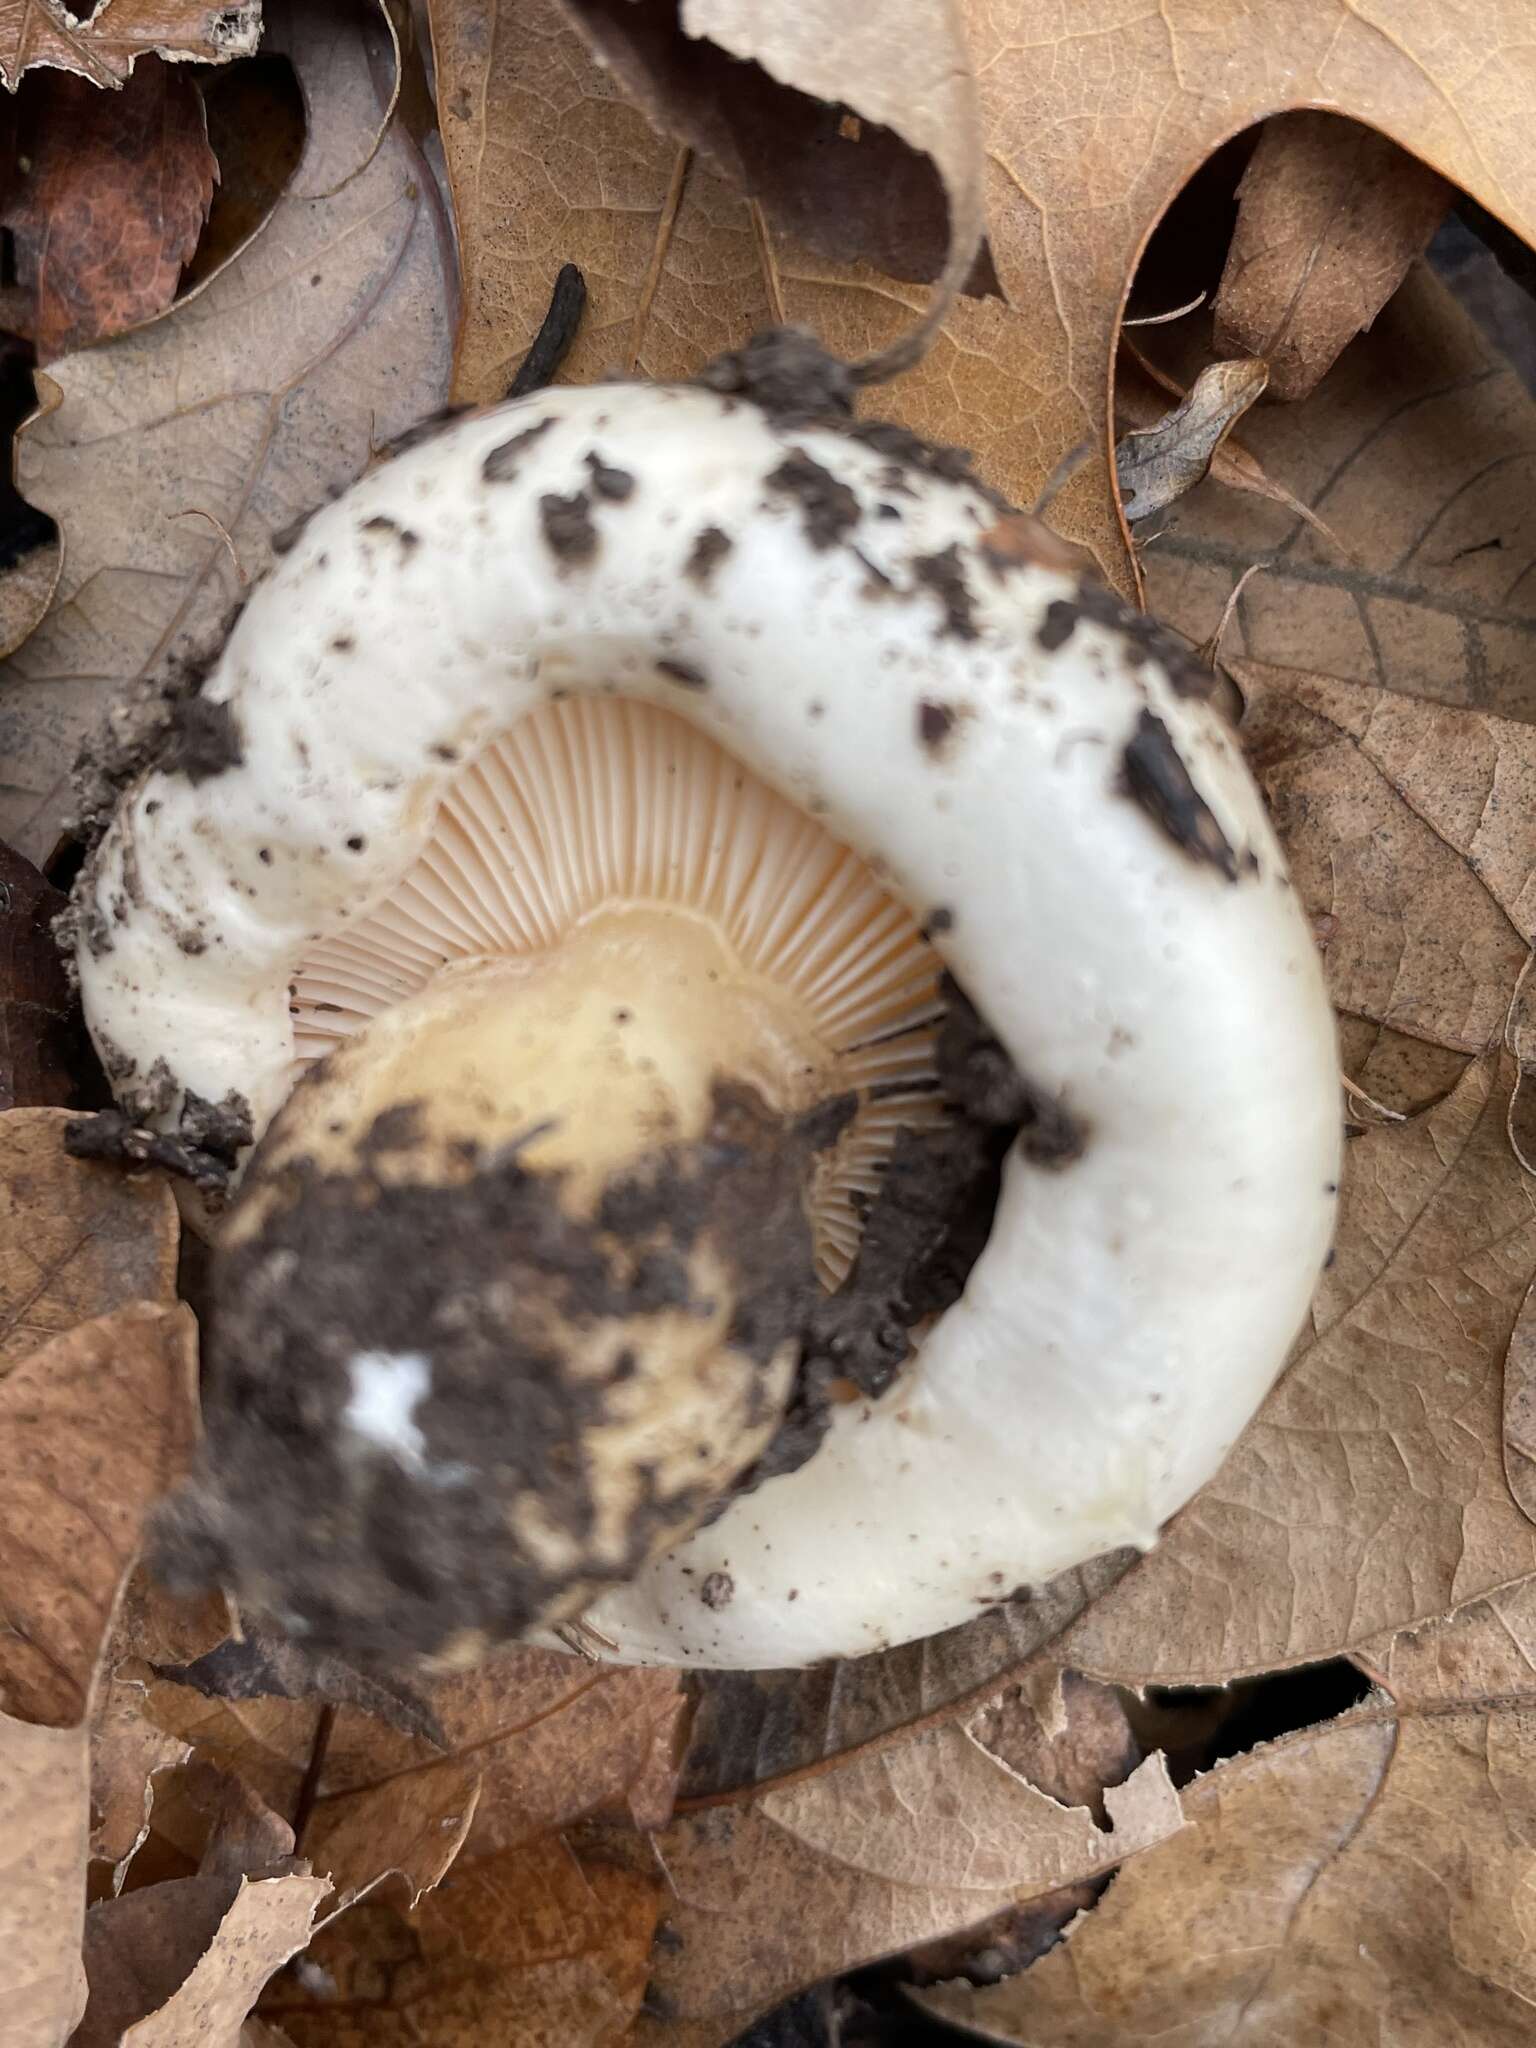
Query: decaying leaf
[
  {"x": 550, "y": 164},
  {"x": 543, "y": 1947},
  {"x": 180, "y": 1965},
  {"x": 1156, "y": 464},
  {"x": 111, "y": 194},
  {"x": 1359, "y": 1882},
  {"x": 1419, "y": 450},
  {"x": 246, "y": 404},
  {"x": 1330, "y": 215},
  {"x": 127, "y": 1753},
  {"x": 1520, "y": 1409},
  {"x": 412, "y": 1828},
  {"x": 77, "y": 1240},
  {"x": 922, "y": 1837},
  {"x": 44, "y": 1821},
  {"x": 42, "y": 1048},
  {"x": 104, "y": 43},
  {"x": 93, "y": 1427},
  {"x": 778, "y": 120},
  {"x": 1370, "y": 1491}
]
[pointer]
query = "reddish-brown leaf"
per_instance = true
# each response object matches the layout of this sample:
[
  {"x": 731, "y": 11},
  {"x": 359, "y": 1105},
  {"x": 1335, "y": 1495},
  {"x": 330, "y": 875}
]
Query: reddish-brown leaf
[{"x": 43, "y": 1053}]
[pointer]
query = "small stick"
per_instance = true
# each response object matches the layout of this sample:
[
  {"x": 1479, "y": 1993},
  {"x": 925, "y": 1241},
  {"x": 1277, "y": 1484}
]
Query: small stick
[{"x": 552, "y": 344}]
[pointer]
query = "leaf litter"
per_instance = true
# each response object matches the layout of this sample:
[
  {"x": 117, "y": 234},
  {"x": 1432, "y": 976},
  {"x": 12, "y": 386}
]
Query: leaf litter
[{"x": 547, "y": 1851}]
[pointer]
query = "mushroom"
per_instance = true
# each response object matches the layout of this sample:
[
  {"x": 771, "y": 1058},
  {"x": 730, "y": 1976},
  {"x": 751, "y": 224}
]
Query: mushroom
[{"x": 794, "y": 1094}]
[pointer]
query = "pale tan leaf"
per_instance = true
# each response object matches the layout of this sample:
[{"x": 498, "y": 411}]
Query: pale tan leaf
[
  {"x": 77, "y": 1240},
  {"x": 1408, "y": 827},
  {"x": 93, "y": 1428},
  {"x": 104, "y": 43},
  {"x": 1520, "y": 1409},
  {"x": 1419, "y": 451},
  {"x": 550, "y": 164},
  {"x": 1330, "y": 215},
  {"x": 247, "y": 403},
  {"x": 923, "y": 1837},
  {"x": 1156, "y": 464},
  {"x": 1361, "y": 1882},
  {"x": 127, "y": 1753},
  {"x": 1370, "y": 1491},
  {"x": 540, "y": 1947},
  {"x": 44, "y": 1821}
]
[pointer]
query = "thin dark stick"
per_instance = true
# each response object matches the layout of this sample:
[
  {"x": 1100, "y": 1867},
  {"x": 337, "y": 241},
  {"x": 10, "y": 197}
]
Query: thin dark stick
[
  {"x": 304, "y": 1805},
  {"x": 552, "y": 343}
]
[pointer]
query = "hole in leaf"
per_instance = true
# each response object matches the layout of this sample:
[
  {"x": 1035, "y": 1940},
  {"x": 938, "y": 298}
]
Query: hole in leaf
[
  {"x": 256, "y": 130},
  {"x": 1198, "y": 1726}
]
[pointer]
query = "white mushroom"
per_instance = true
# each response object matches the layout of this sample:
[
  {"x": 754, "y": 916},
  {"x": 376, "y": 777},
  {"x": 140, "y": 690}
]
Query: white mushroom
[{"x": 608, "y": 780}]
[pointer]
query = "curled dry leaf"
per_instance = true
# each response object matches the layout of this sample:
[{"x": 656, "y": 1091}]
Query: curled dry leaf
[
  {"x": 411, "y": 1828},
  {"x": 1330, "y": 215},
  {"x": 1418, "y": 452},
  {"x": 105, "y": 43},
  {"x": 1156, "y": 464},
  {"x": 1360, "y": 1882},
  {"x": 42, "y": 1043},
  {"x": 44, "y": 1822},
  {"x": 543, "y": 1947},
  {"x": 111, "y": 194},
  {"x": 93, "y": 1427},
  {"x": 207, "y": 1977},
  {"x": 925, "y": 1836},
  {"x": 325, "y": 336},
  {"x": 77, "y": 1240},
  {"x": 127, "y": 1753}
]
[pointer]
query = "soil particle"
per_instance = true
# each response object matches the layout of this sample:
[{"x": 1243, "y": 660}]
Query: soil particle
[
  {"x": 944, "y": 574},
  {"x": 203, "y": 1149},
  {"x": 787, "y": 372},
  {"x": 683, "y": 673},
  {"x": 202, "y": 741},
  {"x": 935, "y": 723},
  {"x": 910, "y": 454},
  {"x": 505, "y": 460},
  {"x": 828, "y": 508},
  {"x": 1156, "y": 778},
  {"x": 382, "y": 524},
  {"x": 426, "y": 429},
  {"x": 607, "y": 482},
  {"x": 1145, "y": 639},
  {"x": 569, "y": 528},
  {"x": 718, "y": 1589},
  {"x": 1058, "y": 625},
  {"x": 710, "y": 547}
]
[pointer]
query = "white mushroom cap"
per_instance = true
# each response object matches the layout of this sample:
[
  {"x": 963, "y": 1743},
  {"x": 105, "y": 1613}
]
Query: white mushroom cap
[{"x": 1025, "y": 769}]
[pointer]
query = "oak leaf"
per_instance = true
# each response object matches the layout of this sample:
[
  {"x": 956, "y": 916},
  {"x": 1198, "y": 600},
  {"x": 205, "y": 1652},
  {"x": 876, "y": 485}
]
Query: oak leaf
[{"x": 175, "y": 452}]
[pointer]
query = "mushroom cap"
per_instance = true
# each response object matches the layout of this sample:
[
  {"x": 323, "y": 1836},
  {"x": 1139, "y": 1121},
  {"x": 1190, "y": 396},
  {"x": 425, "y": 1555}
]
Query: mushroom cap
[{"x": 1027, "y": 767}]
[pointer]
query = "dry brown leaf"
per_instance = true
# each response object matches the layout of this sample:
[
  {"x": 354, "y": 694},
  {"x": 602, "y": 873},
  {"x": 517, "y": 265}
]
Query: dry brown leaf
[
  {"x": 1419, "y": 450},
  {"x": 537, "y": 1948},
  {"x": 925, "y": 1836},
  {"x": 245, "y": 404},
  {"x": 111, "y": 194},
  {"x": 1156, "y": 464},
  {"x": 77, "y": 1240},
  {"x": 776, "y": 123},
  {"x": 93, "y": 1427},
  {"x": 550, "y": 164},
  {"x": 751, "y": 1727},
  {"x": 1370, "y": 1491},
  {"x": 104, "y": 43},
  {"x": 180, "y": 1965},
  {"x": 552, "y": 1738},
  {"x": 267, "y": 1743},
  {"x": 1410, "y": 829},
  {"x": 1330, "y": 215},
  {"x": 127, "y": 1753},
  {"x": 1520, "y": 1409},
  {"x": 411, "y": 1827},
  {"x": 44, "y": 1822},
  {"x": 42, "y": 1043},
  {"x": 1360, "y": 1882}
]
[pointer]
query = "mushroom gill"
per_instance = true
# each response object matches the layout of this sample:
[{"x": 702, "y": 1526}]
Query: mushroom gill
[{"x": 656, "y": 899}]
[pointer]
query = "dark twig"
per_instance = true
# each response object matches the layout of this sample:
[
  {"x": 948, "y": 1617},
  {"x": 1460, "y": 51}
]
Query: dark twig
[{"x": 552, "y": 343}]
